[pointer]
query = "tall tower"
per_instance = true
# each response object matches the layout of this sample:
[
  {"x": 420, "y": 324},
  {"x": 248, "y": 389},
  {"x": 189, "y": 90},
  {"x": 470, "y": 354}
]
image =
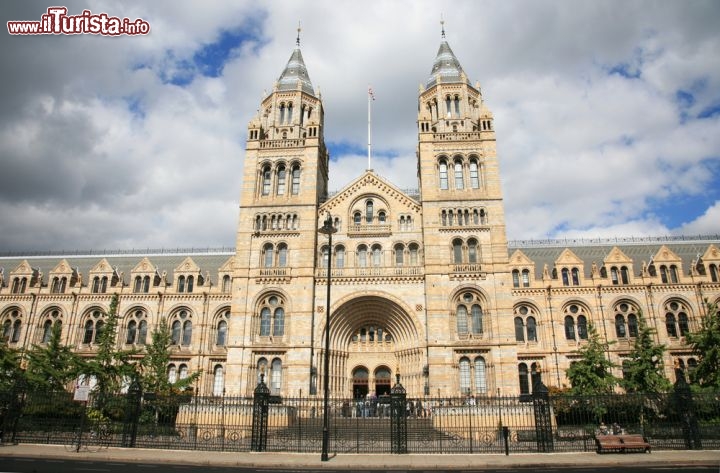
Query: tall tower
[
  {"x": 466, "y": 254},
  {"x": 285, "y": 177}
]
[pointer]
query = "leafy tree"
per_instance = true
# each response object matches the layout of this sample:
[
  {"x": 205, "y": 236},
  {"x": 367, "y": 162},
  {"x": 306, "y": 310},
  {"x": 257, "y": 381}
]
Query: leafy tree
[
  {"x": 54, "y": 366},
  {"x": 11, "y": 372},
  {"x": 155, "y": 364},
  {"x": 110, "y": 366},
  {"x": 706, "y": 346},
  {"x": 643, "y": 370},
  {"x": 591, "y": 374}
]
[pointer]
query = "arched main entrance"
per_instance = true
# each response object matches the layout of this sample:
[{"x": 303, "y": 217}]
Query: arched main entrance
[{"x": 372, "y": 337}]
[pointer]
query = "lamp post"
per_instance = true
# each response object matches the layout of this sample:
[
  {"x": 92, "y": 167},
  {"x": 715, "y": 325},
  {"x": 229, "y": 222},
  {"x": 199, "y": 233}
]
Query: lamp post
[{"x": 328, "y": 230}]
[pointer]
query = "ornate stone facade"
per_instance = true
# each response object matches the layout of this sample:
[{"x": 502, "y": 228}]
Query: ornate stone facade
[{"x": 423, "y": 284}]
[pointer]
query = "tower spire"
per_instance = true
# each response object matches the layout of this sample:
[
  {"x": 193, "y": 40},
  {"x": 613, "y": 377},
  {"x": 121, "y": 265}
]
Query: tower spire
[
  {"x": 297, "y": 42},
  {"x": 442, "y": 26}
]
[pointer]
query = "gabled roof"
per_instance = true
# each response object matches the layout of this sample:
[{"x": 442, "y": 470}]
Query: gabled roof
[{"x": 369, "y": 182}]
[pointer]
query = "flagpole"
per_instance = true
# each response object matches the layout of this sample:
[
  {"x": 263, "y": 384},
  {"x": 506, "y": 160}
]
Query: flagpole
[{"x": 370, "y": 96}]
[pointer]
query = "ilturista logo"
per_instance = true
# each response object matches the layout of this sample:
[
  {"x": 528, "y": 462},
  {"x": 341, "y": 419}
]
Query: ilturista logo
[{"x": 57, "y": 21}]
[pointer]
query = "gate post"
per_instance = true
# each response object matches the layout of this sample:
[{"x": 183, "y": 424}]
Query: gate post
[
  {"x": 132, "y": 414},
  {"x": 261, "y": 404},
  {"x": 543, "y": 423},
  {"x": 398, "y": 418},
  {"x": 686, "y": 409}
]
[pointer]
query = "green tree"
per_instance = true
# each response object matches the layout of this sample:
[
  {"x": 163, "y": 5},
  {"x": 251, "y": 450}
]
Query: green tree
[
  {"x": 11, "y": 372},
  {"x": 643, "y": 370},
  {"x": 591, "y": 374},
  {"x": 706, "y": 346},
  {"x": 111, "y": 366},
  {"x": 156, "y": 361},
  {"x": 54, "y": 366}
]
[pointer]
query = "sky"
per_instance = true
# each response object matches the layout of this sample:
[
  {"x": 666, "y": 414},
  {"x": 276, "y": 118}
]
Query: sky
[{"x": 607, "y": 114}]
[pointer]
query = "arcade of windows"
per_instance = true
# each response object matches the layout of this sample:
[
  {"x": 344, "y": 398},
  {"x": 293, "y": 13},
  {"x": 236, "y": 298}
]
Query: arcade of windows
[
  {"x": 371, "y": 335},
  {"x": 51, "y": 320},
  {"x": 141, "y": 284},
  {"x": 712, "y": 268},
  {"x": 676, "y": 319},
  {"x": 463, "y": 217},
  {"x": 468, "y": 315},
  {"x": 461, "y": 168},
  {"x": 276, "y": 222},
  {"x": 518, "y": 276},
  {"x": 181, "y": 329},
  {"x": 626, "y": 312},
  {"x": 187, "y": 283},
  {"x": 274, "y": 255},
  {"x": 575, "y": 318},
  {"x": 568, "y": 276},
  {"x": 58, "y": 285},
  {"x": 271, "y": 317},
  {"x": 276, "y": 180},
  {"x": 92, "y": 329},
  {"x": 528, "y": 379},
  {"x": 369, "y": 216},
  {"x": 465, "y": 252},
  {"x": 525, "y": 324},
  {"x": 137, "y": 328},
  {"x": 372, "y": 256},
  {"x": 19, "y": 285},
  {"x": 668, "y": 274}
]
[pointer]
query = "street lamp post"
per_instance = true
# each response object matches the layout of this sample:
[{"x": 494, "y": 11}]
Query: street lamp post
[{"x": 328, "y": 230}]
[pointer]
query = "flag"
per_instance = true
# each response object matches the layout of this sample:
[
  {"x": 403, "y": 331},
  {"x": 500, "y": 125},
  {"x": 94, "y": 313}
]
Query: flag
[{"x": 371, "y": 93}]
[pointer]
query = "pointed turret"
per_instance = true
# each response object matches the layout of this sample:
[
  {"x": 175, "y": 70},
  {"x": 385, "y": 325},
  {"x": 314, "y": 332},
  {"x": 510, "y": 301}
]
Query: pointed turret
[
  {"x": 295, "y": 74},
  {"x": 446, "y": 68}
]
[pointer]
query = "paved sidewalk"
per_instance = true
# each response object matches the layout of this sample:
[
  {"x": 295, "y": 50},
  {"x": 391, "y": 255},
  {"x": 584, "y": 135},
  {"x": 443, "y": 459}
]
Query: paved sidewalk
[{"x": 355, "y": 461}]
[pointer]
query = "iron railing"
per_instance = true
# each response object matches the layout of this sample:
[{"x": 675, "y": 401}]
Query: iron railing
[{"x": 561, "y": 423}]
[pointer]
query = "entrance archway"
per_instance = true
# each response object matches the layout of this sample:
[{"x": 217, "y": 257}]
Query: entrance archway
[
  {"x": 361, "y": 385},
  {"x": 382, "y": 381}
]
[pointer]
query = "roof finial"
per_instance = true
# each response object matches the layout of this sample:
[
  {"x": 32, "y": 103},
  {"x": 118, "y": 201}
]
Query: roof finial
[
  {"x": 442, "y": 25},
  {"x": 298, "y": 36}
]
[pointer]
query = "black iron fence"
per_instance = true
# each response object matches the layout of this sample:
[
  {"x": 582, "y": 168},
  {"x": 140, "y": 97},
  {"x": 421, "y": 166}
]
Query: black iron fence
[{"x": 537, "y": 423}]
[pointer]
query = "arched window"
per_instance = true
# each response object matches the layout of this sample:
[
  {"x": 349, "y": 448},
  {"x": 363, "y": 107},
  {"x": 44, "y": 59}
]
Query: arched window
[
  {"x": 464, "y": 367},
  {"x": 190, "y": 281},
  {"x": 565, "y": 277},
  {"x": 275, "y": 377},
  {"x": 268, "y": 255},
  {"x": 357, "y": 218},
  {"x": 362, "y": 256},
  {"x": 266, "y": 178},
  {"x": 47, "y": 331},
  {"x": 523, "y": 378},
  {"x": 265, "y": 322},
  {"x": 339, "y": 256},
  {"x": 535, "y": 375},
  {"x": 714, "y": 277},
  {"x": 325, "y": 250},
  {"x": 92, "y": 327},
  {"x": 19, "y": 285},
  {"x": 477, "y": 319},
  {"x": 281, "y": 175},
  {"x": 181, "y": 284},
  {"x": 399, "y": 254},
  {"x": 474, "y": 175},
  {"x": 279, "y": 322},
  {"x": 575, "y": 277},
  {"x": 443, "y": 175},
  {"x": 472, "y": 251},
  {"x": 670, "y": 325},
  {"x": 519, "y": 330},
  {"x": 175, "y": 332},
  {"x": 137, "y": 287},
  {"x": 226, "y": 283},
  {"x": 377, "y": 255},
  {"x": 457, "y": 251},
  {"x": 614, "y": 275},
  {"x": 462, "y": 321},
  {"x": 632, "y": 325},
  {"x": 582, "y": 327},
  {"x": 131, "y": 332},
  {"x": 295, "y": 180},
  {"x": 172, "y": 374},
  {"x": 221, "y": 337},
  {"x": 624, "y": 275},
  {"x": 183, "y": 371},
  {"x": 480, "y": 375},
  {"x": 620, "y": 326},
  {"x": 525, "y": 278},
  {"x": 414, "y": 254},
  {"x": 142, "y": 332},
  {"x": 382, "y": 217},
  {"x": 673, "y": 274},
  {"x": 569, "y": 328},
  {"x": 516, "y": 278},
  {"x": 664, "y": 274},
  {"x": 218, "y": 381},
  {"x": 458, "y": 174},
  {"x": 89, "y": 332},
  {"x": 369, "y": 212},
  {"x": 187, "y": 333},
  {"x": 531, "y": 329},
  {"x": 683, "y": 324}
]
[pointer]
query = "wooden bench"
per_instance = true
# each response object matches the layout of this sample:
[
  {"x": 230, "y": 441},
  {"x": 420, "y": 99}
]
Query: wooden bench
[{"x": 623, "y": 443}]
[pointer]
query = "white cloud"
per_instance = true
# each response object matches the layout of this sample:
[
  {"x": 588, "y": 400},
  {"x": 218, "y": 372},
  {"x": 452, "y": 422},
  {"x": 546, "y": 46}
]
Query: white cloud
[{"x": 99, "y": 151}]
